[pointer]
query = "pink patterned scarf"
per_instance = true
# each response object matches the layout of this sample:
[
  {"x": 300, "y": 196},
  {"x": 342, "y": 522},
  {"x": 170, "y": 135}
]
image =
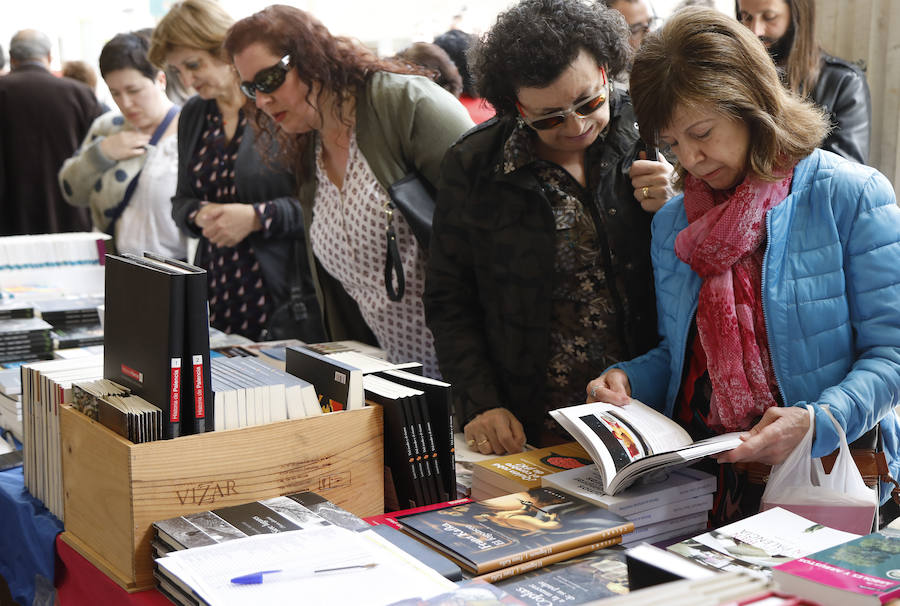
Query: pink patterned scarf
[{"x": 723, "y": 245}]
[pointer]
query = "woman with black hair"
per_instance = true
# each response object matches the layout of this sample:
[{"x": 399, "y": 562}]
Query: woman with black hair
[
  {"x": 539, "y": 269},
  {"x": 127, "y": 167}
]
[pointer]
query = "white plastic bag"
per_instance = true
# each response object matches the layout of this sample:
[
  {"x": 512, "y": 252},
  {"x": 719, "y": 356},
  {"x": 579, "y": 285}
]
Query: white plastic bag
[{"x": 839, "y": 499}]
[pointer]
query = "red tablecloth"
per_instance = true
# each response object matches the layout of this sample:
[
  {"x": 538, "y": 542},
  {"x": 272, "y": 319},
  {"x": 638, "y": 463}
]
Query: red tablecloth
[{"x": 80, "y": 582}]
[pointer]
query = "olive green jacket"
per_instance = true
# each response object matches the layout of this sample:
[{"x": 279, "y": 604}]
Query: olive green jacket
[{"x": 403, "y": 123}]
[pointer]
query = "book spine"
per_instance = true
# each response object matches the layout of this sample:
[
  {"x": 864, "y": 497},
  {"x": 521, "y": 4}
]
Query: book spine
[
  {"x": 505, "y": 573},
  {"x": 547, "y": 550}
]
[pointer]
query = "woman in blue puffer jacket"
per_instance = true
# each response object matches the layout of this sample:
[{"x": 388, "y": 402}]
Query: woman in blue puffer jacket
[{"x": 777, "y": 275}]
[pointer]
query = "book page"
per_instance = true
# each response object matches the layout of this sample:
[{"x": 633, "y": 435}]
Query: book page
[{"x": 616, "y": 436}]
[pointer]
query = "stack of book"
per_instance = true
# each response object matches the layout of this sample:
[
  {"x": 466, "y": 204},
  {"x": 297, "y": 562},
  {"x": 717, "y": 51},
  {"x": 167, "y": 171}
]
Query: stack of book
[
  {"x": 506, "y": 536},
  {"x": 294, "y": 512},
  {"x": 756, "y": 544},
  {"x": 75, "y": 320},
  {"x": 521, "y": 471},
  {"x": 670, "y": 503},
  {"x": 11, "y": 401},
  {"x": 117, "y": 408},
  {"x": 862, "y": 571},
  {"x": 38, "y": 252},
  {"x": 46, "y": 386},
  {"x": 25, "y": 339},
  {"x": 248, "y": 392}
]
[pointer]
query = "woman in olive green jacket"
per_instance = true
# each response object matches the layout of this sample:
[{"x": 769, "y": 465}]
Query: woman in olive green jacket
[{"x": 352, "y": 125}]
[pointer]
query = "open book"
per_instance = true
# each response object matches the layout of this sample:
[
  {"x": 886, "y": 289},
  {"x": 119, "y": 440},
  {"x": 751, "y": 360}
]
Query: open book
[{"x": 627, "y": 442}]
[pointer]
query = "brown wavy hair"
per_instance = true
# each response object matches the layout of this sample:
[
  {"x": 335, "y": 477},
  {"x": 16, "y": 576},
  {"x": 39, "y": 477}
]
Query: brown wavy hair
[
  {"x": 702, "y": 57},
  {"x": 339, "y": 65}
]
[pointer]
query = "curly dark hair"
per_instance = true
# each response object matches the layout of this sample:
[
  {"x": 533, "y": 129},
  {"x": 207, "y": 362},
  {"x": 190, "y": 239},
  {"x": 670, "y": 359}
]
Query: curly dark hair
[
  {"x": 339, "y": 65},
  {"x": 127, "y": 51},
  {"x": 456, "y": 43},
  {"x": 533, "y": 42}
]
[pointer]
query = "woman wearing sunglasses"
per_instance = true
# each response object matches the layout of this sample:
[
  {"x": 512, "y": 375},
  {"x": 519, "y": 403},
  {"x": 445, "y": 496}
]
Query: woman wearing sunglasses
[
  {"x": 539, "y": 271},
  {"x": 244, "y": 212},
  {"x": 352, "y": 125}
]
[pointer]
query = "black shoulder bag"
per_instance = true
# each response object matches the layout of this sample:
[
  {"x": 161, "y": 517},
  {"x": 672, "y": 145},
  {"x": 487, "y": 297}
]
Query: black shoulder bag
[{"x": 413, "y": 195}]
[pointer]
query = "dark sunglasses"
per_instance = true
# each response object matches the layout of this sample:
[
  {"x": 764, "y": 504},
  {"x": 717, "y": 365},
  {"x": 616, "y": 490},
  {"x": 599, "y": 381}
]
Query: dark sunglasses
[{"x": 268, "y": 80}]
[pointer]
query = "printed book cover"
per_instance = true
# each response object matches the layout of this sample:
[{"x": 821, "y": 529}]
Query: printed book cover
[
  {"x": 497, "y": 533},
  {"x": 524, "y": 470},
  {"x": 760, "y": 542},
  {"x": 582, "y": 579},
  {"x": 861, "y": 571}
]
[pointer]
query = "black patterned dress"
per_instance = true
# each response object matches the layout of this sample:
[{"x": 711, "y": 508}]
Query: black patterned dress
[{"x": 238, "y": 299}]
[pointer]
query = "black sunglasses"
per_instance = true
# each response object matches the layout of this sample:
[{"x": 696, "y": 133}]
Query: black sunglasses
[{"x": 268, "y": 80}]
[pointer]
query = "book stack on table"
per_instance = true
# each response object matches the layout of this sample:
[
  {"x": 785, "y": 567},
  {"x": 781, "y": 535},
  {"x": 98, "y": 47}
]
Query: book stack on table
[
  {"x": 523, "y": 470},
  {"x": 670, "y": 503}
]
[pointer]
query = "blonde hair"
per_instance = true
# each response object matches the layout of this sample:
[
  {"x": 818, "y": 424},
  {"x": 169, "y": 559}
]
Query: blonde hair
[
  {"x": 702, "y": 57},
  {"x": 195, "y": 24}
]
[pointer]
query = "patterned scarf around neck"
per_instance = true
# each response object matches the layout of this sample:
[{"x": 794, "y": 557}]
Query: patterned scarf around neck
[{"x": 723, "y": 245}]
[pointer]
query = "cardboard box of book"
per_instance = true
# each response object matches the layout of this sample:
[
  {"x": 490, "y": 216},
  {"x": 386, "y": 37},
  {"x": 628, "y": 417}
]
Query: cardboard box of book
[{"x": 115, "y": 490}]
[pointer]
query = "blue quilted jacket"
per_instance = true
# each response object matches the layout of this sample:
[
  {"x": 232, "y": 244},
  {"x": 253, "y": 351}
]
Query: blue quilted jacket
[{"x": 831, "y": 300}]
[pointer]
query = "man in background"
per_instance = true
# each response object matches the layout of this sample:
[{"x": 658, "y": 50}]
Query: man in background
[
  {"x": 639, "y": 17},
  {"x": 787, "y": 28},
  {"x": 43, "y": 120}
]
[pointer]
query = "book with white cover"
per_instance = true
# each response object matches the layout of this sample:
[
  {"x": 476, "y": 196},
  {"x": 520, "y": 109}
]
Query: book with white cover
[
  {"x": 759, "y": 542},
  {"x": 682, "y": 526},
  {"x": 629, "y": 441},
  {"x": 653, "y": 491}
]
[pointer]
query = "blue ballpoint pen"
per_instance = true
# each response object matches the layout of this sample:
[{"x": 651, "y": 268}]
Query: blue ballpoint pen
[{"x": 255, "y": 578}]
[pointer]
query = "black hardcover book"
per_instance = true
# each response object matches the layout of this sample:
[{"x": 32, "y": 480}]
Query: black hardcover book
[
  {"x": 197, "y": 404},
  {"x": 143, "y": 343}
]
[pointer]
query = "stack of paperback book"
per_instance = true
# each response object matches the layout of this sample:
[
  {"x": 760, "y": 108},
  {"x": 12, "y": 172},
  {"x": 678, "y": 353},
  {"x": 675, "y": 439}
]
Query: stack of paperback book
[
  {"x": 25, "y": 339},
  {"x": 11, "y": 401},
  {"x": 509, "y": 535},
  {"x": 670, "y": 503},
  {"x": 248, "y": 392},
  {"x": 418, "y": 424},
  {"x": 46, "y": 386},
  {"x": 521, "y": 471}
]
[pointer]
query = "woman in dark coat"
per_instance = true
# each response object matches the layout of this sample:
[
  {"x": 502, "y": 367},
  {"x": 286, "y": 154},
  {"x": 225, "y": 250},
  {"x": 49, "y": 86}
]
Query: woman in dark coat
[{"x": 539, "y": 269}]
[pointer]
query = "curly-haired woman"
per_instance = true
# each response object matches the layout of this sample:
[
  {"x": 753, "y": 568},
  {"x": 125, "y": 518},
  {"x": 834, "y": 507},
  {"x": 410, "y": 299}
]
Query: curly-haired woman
[
  {"x": 540, "y": 258},
  {"x": 353, "y": 126}
]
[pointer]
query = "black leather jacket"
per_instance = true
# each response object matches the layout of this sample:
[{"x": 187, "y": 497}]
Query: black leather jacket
[
  {"x": 842, "y": 91},
  {"x": 488, "y": 290}
]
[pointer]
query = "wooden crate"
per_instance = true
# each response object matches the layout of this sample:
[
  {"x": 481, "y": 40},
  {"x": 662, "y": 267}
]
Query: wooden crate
[{"x": 115, "y": 490}]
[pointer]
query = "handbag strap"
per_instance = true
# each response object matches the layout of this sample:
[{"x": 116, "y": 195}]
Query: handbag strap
[
  {"x": 393, "y": 266},
  {"x": 116, "y": 211}
]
